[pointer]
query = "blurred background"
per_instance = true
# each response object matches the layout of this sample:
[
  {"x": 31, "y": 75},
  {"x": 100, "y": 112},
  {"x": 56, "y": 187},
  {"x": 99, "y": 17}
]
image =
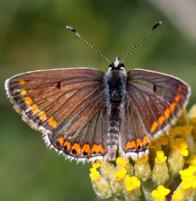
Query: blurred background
[{"x": 33, "y": 36}]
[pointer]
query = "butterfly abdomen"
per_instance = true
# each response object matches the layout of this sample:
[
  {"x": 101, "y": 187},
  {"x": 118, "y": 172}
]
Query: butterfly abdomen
[{"x": 116, "y": 91}]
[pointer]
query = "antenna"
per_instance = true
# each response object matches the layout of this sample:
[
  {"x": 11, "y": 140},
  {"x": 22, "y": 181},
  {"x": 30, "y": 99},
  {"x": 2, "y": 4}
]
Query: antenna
[
  {"x": 87, "y": 43},
  {"x": 141, "y": 40}
]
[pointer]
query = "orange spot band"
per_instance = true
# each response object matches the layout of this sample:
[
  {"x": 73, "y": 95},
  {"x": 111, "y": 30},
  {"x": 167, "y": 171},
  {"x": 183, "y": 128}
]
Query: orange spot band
[
  {"x": 52, "y": 122},
  {"x": 138, "y": 143},
  {"x": 76, "y": 149},
  {"x": 21, "y": 82},
  {"x": 42, "y": 116},
  {"x": 154, "y": 126},
  {"x": 23, "y": 92},
  {"x": 161, "y": 120},
  {"x": 177, "y": 98},
  {"x": 98, "y": 149},
  {"x": 60, "y": 140},
  {"x": 67, "y": 146},
  {"x": 167, "y": 113},
  {"x": 130, "y": 145},
  {"x": 34, "y": 108},
  {"x": 145, "y": 141},
  {"x": 28, "y": 101},
  {"x": 86, "y": 149},
  {"x": 173, "y": 106}
]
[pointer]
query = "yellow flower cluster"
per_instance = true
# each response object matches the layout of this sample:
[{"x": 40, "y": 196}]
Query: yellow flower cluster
[
  {"x": 160, "y": 193},
  {"x": 167, "y": 173}
]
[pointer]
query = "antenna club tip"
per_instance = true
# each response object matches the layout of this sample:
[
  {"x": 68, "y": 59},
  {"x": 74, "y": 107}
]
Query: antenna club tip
[{"x": 156, "y": 25}]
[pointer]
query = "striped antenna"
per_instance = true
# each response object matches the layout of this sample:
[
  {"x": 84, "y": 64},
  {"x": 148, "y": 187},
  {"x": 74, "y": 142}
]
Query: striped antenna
[
  {"x": 87, "y": 43},
  {"x": 141, "y": 40}
]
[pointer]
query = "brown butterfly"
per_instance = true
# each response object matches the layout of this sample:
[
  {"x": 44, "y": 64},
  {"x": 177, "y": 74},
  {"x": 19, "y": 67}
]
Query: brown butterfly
[{"x": 87, "y": 114}]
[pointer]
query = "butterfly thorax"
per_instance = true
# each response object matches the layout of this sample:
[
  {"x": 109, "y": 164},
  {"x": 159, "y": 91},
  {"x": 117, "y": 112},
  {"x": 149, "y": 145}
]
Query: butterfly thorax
[
  {"x": 116, "y": 79},
  {"x": 116, "y": 87}
]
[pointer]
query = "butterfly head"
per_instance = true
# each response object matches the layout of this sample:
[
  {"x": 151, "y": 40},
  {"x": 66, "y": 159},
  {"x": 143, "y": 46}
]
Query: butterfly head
[{"x": 117, "y": 65}]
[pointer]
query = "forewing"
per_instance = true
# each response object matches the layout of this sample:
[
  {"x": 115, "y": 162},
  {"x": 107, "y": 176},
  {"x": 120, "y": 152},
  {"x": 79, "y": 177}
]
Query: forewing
[
  {"x": 63, "y": 102},
  {"x": 153, "y": 103}
]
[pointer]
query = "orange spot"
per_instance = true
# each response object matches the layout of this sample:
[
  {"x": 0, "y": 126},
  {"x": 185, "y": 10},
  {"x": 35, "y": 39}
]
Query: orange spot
[
  {"x": 86, "y": 150},
  {"x": 42, "y": 116},
  {"x": 34, "y": 108},
  {"x": 94, "y": 148},
  {"x": 145, "y": 141},
  {"x": 67, "y": 146},
  {"x": 21, "y": 82},
  {"x": 167, "y": 113},
  {"x": 76, "y": 149},
  {"x": 101, "y": 150},
  {"x": 172, "y": 106},
  {"x": 130, "y": 145},
  {"x": 161, "y": 120},
  {"x": 138, "y": 143},
  {"x": 177, "y": 98},
  {"x": 60, "y": 141},
  {"x": 52, "y": 122},
  {"x": 23, "y": 92},
  {"x": 154, "y": 126},
  {"x": 28, "y": 101},
  {"x": 98, "y": 149}
]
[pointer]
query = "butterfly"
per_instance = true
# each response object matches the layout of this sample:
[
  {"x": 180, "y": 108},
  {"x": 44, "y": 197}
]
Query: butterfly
[{"x": 89, "y": 115}]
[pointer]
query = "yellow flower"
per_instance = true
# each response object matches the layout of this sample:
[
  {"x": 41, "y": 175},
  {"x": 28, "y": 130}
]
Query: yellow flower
[
  {"x": 171, "y": 163},
  {"x": 192, "y": 160},
  {"x": 160, "y": 193},
  {"x": 132, "y": 189},
  {"x": 164, "y": 140},
  {"x": 94, "y": 174},
  {"x": 106, "y": 169},
  {"x": 120, "y": 174},
  {"x": 155, "y": 145},
  {"x": 178, "y": 195},
  {"x": 188, "y": 177},
  {"x": 160, "y": 157},
  {"x": 160, "y": 170},
  {"x": 175, "y": 162},
  {"x": 180, "y": 145},
  {"x": 142, "y": 168},
  {"x": 102, "y": 188},
  {"x": 96, "y": 165},
  {"x": 192, "y": 114},
  {"x": 180, "y": 131},
  {"x": 183, "y": 120},
  {"x": 122, "y": 162},
  {"x": 131, "y": 183}
]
